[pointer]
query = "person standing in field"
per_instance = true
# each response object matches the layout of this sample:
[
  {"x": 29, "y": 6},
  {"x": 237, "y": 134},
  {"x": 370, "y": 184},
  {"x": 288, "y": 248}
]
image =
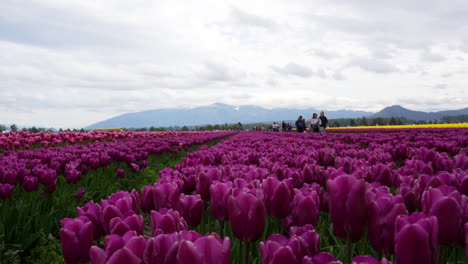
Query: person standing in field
[
  {"x": 315, "y": 123},
  {"x": 300, "y": 125},
  {"x": 283, "y": 126},
  {"x": 323, "y": 122}
]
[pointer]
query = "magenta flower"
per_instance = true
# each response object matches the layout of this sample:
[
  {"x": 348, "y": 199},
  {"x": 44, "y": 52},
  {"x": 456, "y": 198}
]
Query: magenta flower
[
  {"x": 120, "y": 226},
  {"x": 120, "y": 173},
  {"x": 79, "y": 194},
  {"x": 369, "y": 260},
  {"x": 162, "y": 249},
  {"x": 305, "y": 208},
  {"x": 321, "y": 258},
  {"x": 383, "y": 211},
  {"x": 30, "y": 183},
  {"x": 167, "y": 221},
  {"x": 127, "y": 249},
  {"x": 93, "y": 212},
  {"x": 247, "y": 215},
  {"x": 191, "y": 208},
  {"x": 444, "y": 203},
  {"x": 209, "y": 249},
  {"x": 76, "y": 236},
  {"x": 416, "y": 239},
  {"x": 204, "y": 180},
  {"x": 6, "y": 191},
  {"x": 277, "y": 196},
  {"x": 220, "y": 192},
  {"x": 347, "y": 205},
  {"x": 276, "y": 250}
]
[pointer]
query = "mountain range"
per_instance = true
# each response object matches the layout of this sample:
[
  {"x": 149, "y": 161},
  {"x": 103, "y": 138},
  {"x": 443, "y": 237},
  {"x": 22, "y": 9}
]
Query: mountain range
[{"x": 219, "y": 113}]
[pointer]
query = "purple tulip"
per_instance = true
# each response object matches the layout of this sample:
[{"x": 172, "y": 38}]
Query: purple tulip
[
  {"x": 277, "y": 196},
  {"x": 76, "y": 236},
  {"x": 134, "y": 167},
  {"x": 382, "y": 174},
  {"x": 304, "y": 241},
  {"x": 191, "y": 208},
  {"x": 6, "y": 191},
  {"x": 93, "y": 212},
  {"x": 79, "y": 194},
  {"x": 247, "y": 216},
  {"x": 321, "y": 258},
  {"x": 209, "y": 249},
  {"x": 126, "y": 249},
  {"x": 369, "y": 260},
  {"x": 30, "y": 183},
  {"x": 165, "y": 195},
  {"x": 167, "y": 221},
  {"x": 347, "y": 205},
  {"x": 120, "y": 173},
  {"x": 383, "y": 211},
  {"x": 204, "y": 180},
  {"x": 416, "y": 239},
  {"x": 444, "y": 203},
  {"x": 307, "y": 240},
  {"x": 162, "y": 249},
  {"x": 305, "y": 208},
  {"x": 220, "y": 192},
  {"x": 120, "y": 226}
]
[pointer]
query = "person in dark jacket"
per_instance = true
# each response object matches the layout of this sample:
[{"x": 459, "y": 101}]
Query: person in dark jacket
[
  {"x": 300, "y": 124},
  {"x": 323, "y": 122}
]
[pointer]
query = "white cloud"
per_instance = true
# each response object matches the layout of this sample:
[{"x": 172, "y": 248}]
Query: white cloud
[{"x": 72, "y": 63}]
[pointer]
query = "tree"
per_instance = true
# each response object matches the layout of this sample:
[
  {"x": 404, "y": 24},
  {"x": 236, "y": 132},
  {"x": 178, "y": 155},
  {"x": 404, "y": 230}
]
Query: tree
[
  {"x": 184, "y": 128},
  {"x": 352, "y": 122},
  {"x": 14, "y": 128},
  {"x": 363, "y": 121},
  {"x": 2, "y": 128},
  {"x": 392, "y": 121}
]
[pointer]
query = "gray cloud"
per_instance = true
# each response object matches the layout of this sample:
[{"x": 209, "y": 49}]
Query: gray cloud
[
  {"x": 243, "y": 18},
  {"x": 294, "y": 69},
  {"x": 372, "y": 65},
  {"x": 432, "y": 57}
]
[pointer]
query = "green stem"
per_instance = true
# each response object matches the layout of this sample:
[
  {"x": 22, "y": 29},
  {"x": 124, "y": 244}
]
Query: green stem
[
  {"x": 349, "y": 248},
  {"x": 221, "y": 223},
  {"x": 246, "y": 252}
]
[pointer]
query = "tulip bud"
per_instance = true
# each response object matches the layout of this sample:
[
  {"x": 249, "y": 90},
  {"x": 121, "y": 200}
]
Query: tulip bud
[
  {"x": 220, "y": 192},
  {"x": 277, "y": 196},
  {"x": 191, "y": 208},
  {"x": 167, "y": 221},
  {"x": 247, "y": 216},
  {"x": 76, "y": 236},
  {"x": 347, "y": 205},
  {"x": 416, "y": 239},
  {"x": 444, "y": 203}
]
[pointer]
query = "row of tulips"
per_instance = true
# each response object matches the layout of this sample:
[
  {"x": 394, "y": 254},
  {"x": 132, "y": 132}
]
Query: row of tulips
[
  {"x": 30, "y": 168},
  {"x": 25, "y": 140},
  {"x": 406, "y": 191}
]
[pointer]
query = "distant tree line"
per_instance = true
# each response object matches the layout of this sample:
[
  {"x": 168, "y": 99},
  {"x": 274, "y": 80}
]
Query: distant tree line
[
  {"x": 237, "y": 126},
  {"x": 455, "y": 119},
  {"x": 337, "y": 122}
]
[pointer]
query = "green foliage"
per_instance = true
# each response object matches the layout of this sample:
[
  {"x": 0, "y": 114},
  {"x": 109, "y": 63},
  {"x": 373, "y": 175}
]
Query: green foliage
[
  {"x": 455, "y": 119},
  {"x": 14, "y": 128}
]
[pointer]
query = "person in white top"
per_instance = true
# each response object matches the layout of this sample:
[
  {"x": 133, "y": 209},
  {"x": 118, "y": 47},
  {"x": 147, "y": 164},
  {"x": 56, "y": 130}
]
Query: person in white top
[{"x": 315, "y": 123}]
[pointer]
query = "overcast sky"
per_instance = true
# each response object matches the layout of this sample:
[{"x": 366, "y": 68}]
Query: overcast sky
[{"x": 71, "y": 63}]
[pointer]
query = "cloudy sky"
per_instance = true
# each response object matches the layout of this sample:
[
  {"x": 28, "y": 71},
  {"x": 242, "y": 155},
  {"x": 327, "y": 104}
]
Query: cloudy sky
[{"x": 71, "y": 63}]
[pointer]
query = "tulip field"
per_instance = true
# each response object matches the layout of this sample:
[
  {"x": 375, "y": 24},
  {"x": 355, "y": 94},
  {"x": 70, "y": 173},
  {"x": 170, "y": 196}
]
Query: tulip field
[{"x": 372, "y": 196}]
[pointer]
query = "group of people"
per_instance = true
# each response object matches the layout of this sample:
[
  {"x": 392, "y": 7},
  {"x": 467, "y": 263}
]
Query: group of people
[{"x": 317, "y": 123}]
